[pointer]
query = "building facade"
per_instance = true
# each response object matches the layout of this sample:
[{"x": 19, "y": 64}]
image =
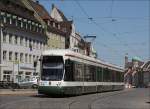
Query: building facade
[
  {"x": 22, "y": 41},
  {"x": 145, "y": 73},
  {"x": 74, "y": 40},
  {"x": 133, "y": 75},
  {"x": 54, "y": 31}
]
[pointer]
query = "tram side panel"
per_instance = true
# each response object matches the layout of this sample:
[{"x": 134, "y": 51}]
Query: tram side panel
[{"x": 93, "y": 78}]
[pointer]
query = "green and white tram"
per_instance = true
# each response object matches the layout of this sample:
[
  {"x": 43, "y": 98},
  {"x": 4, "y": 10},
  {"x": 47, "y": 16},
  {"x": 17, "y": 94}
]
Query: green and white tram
[{"x": 64, "y": 72}]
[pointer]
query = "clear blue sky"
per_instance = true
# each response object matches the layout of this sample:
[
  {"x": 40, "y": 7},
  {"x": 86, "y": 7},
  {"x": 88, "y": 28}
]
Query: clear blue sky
[{"x": 121, "y": 26}]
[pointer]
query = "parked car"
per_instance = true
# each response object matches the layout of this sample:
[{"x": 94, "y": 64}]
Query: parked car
[{"x": 29, "y": 83}]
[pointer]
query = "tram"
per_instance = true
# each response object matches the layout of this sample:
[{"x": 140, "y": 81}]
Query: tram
[{"x": 64, "y": 72}]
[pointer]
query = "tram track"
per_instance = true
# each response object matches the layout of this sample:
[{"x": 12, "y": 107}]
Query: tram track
[
  {"x": 124, "y": 99},
  {"x": 91, "y": 102}
]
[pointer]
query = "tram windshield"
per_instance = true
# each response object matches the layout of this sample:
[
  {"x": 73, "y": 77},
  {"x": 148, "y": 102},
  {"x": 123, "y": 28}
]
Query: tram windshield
[{"x": 52, "y": 68}]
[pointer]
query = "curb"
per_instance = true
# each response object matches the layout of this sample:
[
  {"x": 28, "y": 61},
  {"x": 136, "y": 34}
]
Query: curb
[{"x": 17, "y": 91}]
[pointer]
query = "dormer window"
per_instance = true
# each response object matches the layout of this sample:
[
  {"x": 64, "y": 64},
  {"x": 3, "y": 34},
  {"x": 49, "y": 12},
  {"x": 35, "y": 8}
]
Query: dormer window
[
  {"x": 51, "y": 23},
  {"x": 37, "y": 28},
  {"x": 14, "y": 20},
  {"x": 8, "y": 18},
  {"x": 33, "y": 26},
  {"x": 20, "y": 22},
  {"x": 3, "y": 17},
  {"x": 29, "y": 25},
  {"x": 48, "y": 23},
  {"x": 56, "y": 25},
  {"x": 25, "y": 23}
]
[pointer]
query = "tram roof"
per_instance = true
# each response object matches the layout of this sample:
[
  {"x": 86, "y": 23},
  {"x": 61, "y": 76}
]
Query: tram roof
[{"x": 67, "y": 52}]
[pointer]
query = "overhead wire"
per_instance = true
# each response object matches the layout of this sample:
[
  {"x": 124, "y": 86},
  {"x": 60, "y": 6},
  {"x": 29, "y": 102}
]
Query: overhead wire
[
  {"x": 91, "y": 19},
  {"x": 106, "y": 30},
  {"x": 111, "y": 8},
  {"x": 102, "y": 28}
]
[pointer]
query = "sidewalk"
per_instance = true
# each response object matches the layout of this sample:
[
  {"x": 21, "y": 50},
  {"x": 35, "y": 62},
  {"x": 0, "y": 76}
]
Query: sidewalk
[{"x": 17, "y": 91}]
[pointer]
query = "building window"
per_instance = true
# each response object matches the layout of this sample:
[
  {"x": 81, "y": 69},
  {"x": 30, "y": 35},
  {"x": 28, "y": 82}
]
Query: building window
[
  {"x": 21, "y": 41},
  {"x": 16, "y": 39},
  {"x": 25, "y": 23},
  {"x": 37, "y": 45},
  {"x": 40, "y": 44},
  {"x": 56, "y": 24},
  {"x": 21, "y": 57},
  {"x": 10, "y": 56},
  {"x": 36, "y": 27},
  {"x": 16, "y": 56},
  {"x": 53, "y": 24},
  {"x": 26, "y": 42},
  {"x": 20, "y": 22},
  {"x": 34, "y": 58},
  {"x": 29, "y": 58},
  {"x": 4, "y": 55},
  {"x": 37, "y": 57},
  {"x": 33, "y": 26},
  {"x": 8, "y": 19},
  {"x": 29, "y": 25},
  {"x": 10, "y": 38},
  {"x": 14, "y": 20},
  {"x": 33, "y": 43},
  {"x": 7, "y": 75},
  {"x": 4, "y": 37},
  {"x": 26, "y": 58},
  {"x": 30, "y": 45},
  {"x": 27, "y": 77},
  {"x": 3, "y": 18}
]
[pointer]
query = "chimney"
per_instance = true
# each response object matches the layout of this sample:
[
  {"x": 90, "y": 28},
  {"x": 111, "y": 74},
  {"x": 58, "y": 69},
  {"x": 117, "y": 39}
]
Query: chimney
[
  {"x": 53, "y": 6},
  {"x": 126, "y": 60},
  {"x": 37, "y": 1}
]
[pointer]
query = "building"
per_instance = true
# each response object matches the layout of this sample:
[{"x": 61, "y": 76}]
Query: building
[
  {"x": 22, "y": 40},
  {"x": 74, "y": 40},
  {"x": 145, "y": 73},
  {"x": 56, "y": 35},
  {"x": 133, "y": 75}
]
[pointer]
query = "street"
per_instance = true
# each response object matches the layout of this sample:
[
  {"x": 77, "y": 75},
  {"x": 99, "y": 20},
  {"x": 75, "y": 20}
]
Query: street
[{"x": 126, "y": 99}]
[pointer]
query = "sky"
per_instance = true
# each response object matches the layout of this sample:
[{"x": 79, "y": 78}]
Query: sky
[{"x": 121, "y": 26}]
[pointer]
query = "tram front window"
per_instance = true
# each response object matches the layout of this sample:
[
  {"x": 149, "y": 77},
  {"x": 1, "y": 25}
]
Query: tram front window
[{"x": 52, "y": 68}]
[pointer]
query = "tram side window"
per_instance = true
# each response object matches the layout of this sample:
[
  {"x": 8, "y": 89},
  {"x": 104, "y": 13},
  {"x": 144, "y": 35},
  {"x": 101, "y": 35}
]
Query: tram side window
[
  {"x": 107, "y": 75},
  {"x": 113, "y": 76},
  {"x": 78, "y": 71},
  {"x": 87, "y": 74},
  {"x": 69, "y": 70},
  {"x": 99, "y": 74},
  {"x": 119, "y": 77},
  {"x": 93, "y": 73}
]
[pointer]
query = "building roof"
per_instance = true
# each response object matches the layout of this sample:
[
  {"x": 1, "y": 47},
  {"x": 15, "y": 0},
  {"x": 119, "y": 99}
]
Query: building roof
[
  {"x": 137, "y": 58},
  {"x": 42, "y": 12},
  {"x": 60, "y": 13},
  {"x": 146, "y": 66},
  {"x": 17, "y": 8},
  {"x": 67, "y": 25}
]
